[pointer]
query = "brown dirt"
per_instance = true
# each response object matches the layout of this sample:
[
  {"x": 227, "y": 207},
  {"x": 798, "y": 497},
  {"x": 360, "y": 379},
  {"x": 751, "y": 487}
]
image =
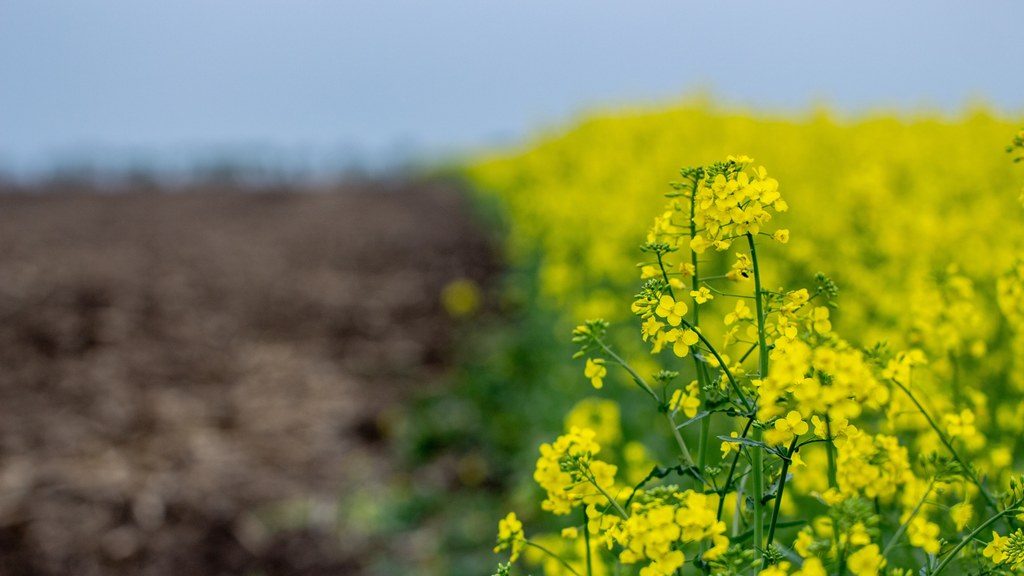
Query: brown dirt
[{"x": 175, "y": 364}]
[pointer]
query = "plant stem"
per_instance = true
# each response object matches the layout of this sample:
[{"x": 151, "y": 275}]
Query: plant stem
[
  {"x": 679, "y": 440},
  {"x": 967, "y": 539},
  {"x": 702, "y": 448},
  {"x": 705, "y": 424},
  {"x": 747, "y": 403},
  {"x": 614, "y": 503},
  {"x": 553, "y": 555},
  {"x": 830, "y": 449},
  {"x": 693, "y": 255},
  {"x": 841, "y": 563},
  {"x": 586, "y": 540},
  {"x": 643, "y": 384},
  {"x": 664, "y": 275},
  {"x": 732, "y": 472},
  {"x": 778, "y": 499},
  {"x": 968, "y": 470},
  {"x": 757, "y": 493},
  {"x": 702, "y": 375},
  {"x": 636, "y": 377},
  {"x": 903, "y": 527},
  {"x": 758, "y": 455}
]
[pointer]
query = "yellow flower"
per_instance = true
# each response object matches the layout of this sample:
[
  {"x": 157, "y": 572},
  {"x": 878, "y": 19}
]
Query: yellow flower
[
  {"x": 961, "y": 514},
  {"x": 821, "y": 323},
  {"x": 568, "y": 471},
  {"x": 960, "y": 424},
  {"x": 728, "y": 447},
  {"x": 804, "y": 541},
  {"x": 996, "y": 549},
  {"x": 781, "y": 236},
  {"x": 601, "y": 416},
  {"x": 671, "y": 310},
  {"x": 859, "y": 535},
  {"x": 596, "y": 371},
  {"x": 687, "y": 402},
  {"x": 786, "y": 427},
  {"x": 681, "y": 341},
  {"x": 741, "y": 270},
  {"x": 812, "y": 567},
  {"x": 866, "y": 562},
  {"x": 781, "y": 569},
  {"x": 924, "y": 535},
  {"x": 511, "y": 536},
  {"x": 650, "y": 328},
  {"x": 659, "y": 520},
  {"x": 699, "y": 244},
  {"x": 741, "y": 312},
  {"x": 649, "y": 272},
  {"x": 702, "y": 295}
]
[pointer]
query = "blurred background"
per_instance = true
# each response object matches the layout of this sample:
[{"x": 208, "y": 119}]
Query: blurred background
[
  {"x": 278, "y": 288},
  {"x": 321, "y": 87}
]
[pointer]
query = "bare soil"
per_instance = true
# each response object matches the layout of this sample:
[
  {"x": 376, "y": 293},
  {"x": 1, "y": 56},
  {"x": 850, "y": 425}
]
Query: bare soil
[{"x": 174, "y": 364}]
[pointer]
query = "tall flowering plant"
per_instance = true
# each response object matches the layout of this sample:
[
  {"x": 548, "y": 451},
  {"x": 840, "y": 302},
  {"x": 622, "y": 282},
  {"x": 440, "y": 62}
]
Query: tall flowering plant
[{"x": 793, "y": 447}]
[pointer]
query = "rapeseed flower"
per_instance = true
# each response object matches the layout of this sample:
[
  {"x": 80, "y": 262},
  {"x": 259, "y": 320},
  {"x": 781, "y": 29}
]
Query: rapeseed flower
[
  {"x": 867, "y": 561},
  {"x": 511, "y": 536},
  {"x": 671, "y": 310},
  {"x": 595, "y": 371}
]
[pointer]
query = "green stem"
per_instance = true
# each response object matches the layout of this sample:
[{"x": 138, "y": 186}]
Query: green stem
[
  {"x": 636, "y": 377},
  {"x": 830, "y": 448},
  {"x": 762, "y": 338},
  {"x": 968, "y": 470},
  {"x": 736, "y": 512},
  {"x": 970, "y": 537},
  {"x": 664, "y": 275},
  {"x": 748, "y": 353},
  {"x": 643, "y": 384},
  {"x": 732, "y": 472},
  {"x": 702, "y": 376},
  {"x": 679, "y": 440},
  {"x": 778, "y": 499},
  {"x": 702, "y": 448},
  {"x": 553, "y": 555},
  {"x": 903, "y": 527},
  {"x": 612, "y": 501},
  {"x": 729, "y": 294},
  {"x": 705, "y": 425},
  {"x": 725, "y": 367},
  {"x": 757, "y": 493},
  {"x": 693, "y": 255},
  {"x": 758, "y": 455},
  {"x": 586, "y": 540}
]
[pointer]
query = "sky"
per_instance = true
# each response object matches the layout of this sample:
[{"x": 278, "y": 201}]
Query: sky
[{"x": 313, "y": 83}]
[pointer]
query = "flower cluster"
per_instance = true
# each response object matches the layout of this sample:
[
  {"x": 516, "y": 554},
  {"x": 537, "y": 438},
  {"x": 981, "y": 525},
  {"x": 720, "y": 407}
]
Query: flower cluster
[
  {"x": 663, "y": 320},
  {"x": 511, "y": 536},
  {"x": 729, "y": 203},
  {"x": 807, "y": 419},
  {"x": 570, "y": 474},
  {"x": 1006, "y": 550},
  {"x": 661, "y": 521}
]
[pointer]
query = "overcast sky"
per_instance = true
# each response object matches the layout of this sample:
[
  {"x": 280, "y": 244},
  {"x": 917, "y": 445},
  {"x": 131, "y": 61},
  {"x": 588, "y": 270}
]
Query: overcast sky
[{"x": 326, "y": 77}]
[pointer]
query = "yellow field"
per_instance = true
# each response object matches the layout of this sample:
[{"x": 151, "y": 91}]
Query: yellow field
[{"x": 918, "y": 220}]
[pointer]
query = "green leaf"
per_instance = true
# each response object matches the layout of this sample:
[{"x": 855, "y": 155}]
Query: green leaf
[
  {"x": 699, "y": 416},
  {"x": 745, "y": 442}
]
